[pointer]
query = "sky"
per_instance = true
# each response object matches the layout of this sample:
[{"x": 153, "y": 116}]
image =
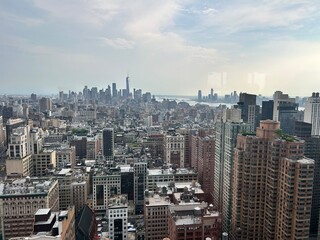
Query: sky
[{"x": 166, "y": 47}]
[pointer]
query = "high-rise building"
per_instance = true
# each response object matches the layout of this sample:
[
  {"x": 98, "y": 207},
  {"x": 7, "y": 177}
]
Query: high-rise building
[
  {"x": 199, "y": 95},
  {"x": 156, "y": 212},
  {"x": 154, "y": 143},
  {"x": 267, "y": 110},
  {"x": 203, "y": 154},
  {"x": 117, "y": 214},
  {"x": 45, "y": 104},
  {"x": 294, "y": 211},
  {"x": 92, "y": 148},
  {"x": 44, "y": 162},
  {"x": 287, "y": 116},
  {"x": 19, "y": 162},
  {"x": 105, "y": 185},
  {"x": 312, "y": 113},
  {"x": 108, "y": 143},
  {"x": 227, "y": 130},
  {"x": 279, "y": 97},
  {"x": 114, "y": 90},
  {"x": 174, "y": 149},
  {"x": 312, "y": 150},
  {"x": 20, "y": 200},
  {"x": 80, "y": 144},
  {"x": 257, "y": 175},
  {"x": 187, "y": 146},
  {"x": 65, "y": 178},
  {"x": 79, "y": 194},
  {"x": 140, "y": 183},
  {"x": 250, "y": 111},
  {"x": 127, "y": 86}
]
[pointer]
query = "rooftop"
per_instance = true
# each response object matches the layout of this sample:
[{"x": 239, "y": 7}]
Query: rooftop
[
  {"x": 170, "y": 171},
  {"x": 157, "y": 200},
  {"x": 26, "y": 186},
  {"x": 43, "y": 211},
  {"x": 118, "y": 201},
  {"x": 306, "y": 161}
]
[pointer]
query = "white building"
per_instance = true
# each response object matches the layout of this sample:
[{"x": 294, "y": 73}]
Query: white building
[
  {"x": 118, "y": 217},
  {"x": 312, "y": 113},
  {"x": 174, "y": 149},
  {"x": 105, "y": 185}
]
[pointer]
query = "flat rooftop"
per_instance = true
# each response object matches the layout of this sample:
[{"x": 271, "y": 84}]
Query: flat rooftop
[
  {"x": 26, "y": 186},
  {"x": 157, "y": 200}
]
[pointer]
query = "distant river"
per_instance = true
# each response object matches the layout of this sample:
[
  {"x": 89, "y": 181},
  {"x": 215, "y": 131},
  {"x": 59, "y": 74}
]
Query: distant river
[{"x": 190, "y": 100}]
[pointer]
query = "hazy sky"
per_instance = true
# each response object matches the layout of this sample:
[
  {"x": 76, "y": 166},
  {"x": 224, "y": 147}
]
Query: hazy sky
[{"x": 167, "y": 46}]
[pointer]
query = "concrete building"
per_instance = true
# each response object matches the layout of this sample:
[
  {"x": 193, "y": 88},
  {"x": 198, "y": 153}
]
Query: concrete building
[
  {"x": 194, "y": 221},
  {"x": 44, "y": 162},
  {"x": 227, "y": 130},
  {"x": 312, "y": 150},
  {"x": 66, "y": 156},
  {"x": 20, "y": 167},
  {"x": 92, "y": 148},
  {"x": 117, "y": 214},
  {"x": 312, "y": 113},
  {"x": 45, "y": 104},
  {"x": 250, "y": 111},
  {"x": 157, "y": 177},
  {"x": 105, "y": 185},
  {"x": 187, "y": 133},
  {"x": 52, "y": 225},
  {"x": 36, "y": 141},
  {"x": 19, "y": 143},
  {"x": 20, "y": 199},
  {"x": 174, "y": 149},
  {"x": 257, "y": 174},
  {"x": 278, "y": 98},
  {"x": 80, "y": 144},
  {"x": 287, "y": 116},
  {"x": 156, "y": 212},
  {"x": 79, "y": 194},
  {"x": 155, "y": 145},
  {"x": 65, "y": 179},
  {"x": 294, "y": 198}
]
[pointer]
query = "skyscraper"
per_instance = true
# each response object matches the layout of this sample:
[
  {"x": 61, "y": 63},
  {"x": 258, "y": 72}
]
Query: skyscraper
[
  {"x": 199, "y": 95},
  {"x": 127, "y": 86},
  {"x": 108, "y": 143},
  {"x": 140, "y": 183},
  {"x": 312, "y": 113},
  {"x": 226, "y": 137},
  {"x": 250, "y": 112},
  {"x": 312, "y": 150},
  {"x": 266, "y": 197},
  {"x": 267, "y": 110},
  {"x": 279, "y": 97},
  {"x": 114, "y": 90},
  {"x": 287, "y": 116}
]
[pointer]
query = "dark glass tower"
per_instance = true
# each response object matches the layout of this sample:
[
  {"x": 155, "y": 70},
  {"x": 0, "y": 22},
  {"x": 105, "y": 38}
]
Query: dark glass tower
[
  {"x": 267, "y": 110},
  {"x": 108, "y": 143}
]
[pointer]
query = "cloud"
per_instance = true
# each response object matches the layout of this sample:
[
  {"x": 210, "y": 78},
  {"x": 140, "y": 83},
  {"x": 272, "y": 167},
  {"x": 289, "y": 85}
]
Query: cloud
[
  {"x": 22, "y": 20},
  {"x": 95, "y": 12},
  {"x": 258, "y": 15},
  {"x": 118, "y": 43},
  {"x": 209, "y": 11}
]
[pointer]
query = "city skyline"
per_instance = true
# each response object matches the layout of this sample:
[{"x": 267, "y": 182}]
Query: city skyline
[{"x": 249, "y": 46}]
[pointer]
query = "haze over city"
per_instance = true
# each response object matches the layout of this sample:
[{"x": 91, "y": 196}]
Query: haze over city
[{"x": 167, "y": 47}]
